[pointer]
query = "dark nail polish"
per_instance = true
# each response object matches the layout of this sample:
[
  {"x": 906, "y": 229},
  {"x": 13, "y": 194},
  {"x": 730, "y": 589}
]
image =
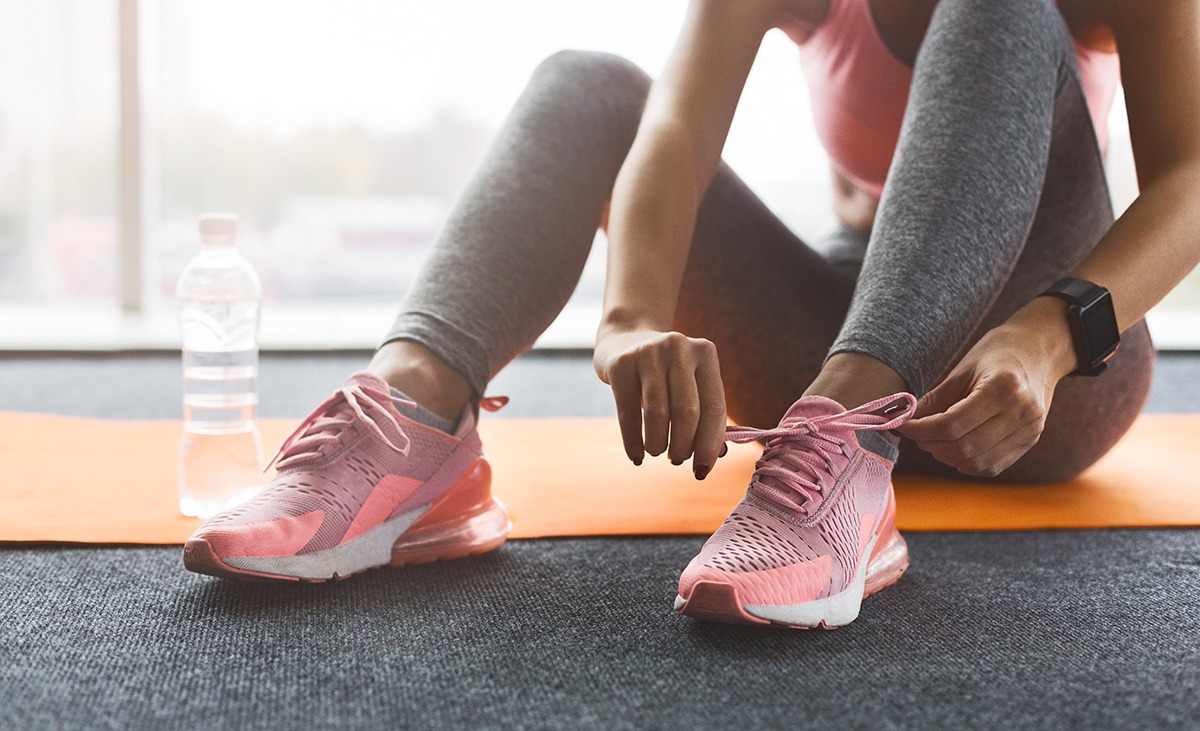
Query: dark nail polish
[
  {"x": 702, "y": 470},
  {"x": 637, "y": 462},
  {"x": 677, "y": 462}
]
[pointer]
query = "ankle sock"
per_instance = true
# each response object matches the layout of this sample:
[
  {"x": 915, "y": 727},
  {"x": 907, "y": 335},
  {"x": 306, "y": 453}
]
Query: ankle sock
[{"x": 422, "y": 415}]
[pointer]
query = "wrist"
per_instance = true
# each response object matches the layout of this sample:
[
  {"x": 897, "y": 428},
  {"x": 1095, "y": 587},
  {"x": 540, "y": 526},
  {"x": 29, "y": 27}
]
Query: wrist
[
  {"x": 624, "y": 319},
  {"x": 1043, "y": 326}
]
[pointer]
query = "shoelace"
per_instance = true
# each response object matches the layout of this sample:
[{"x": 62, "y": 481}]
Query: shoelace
[
  {"x": 329, "y": 421},
  {"x": 796, "y": 464}
]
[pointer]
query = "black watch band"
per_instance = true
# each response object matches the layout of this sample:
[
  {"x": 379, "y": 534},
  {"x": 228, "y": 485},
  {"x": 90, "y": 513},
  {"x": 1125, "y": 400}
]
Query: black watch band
[{"x": 1093, "y": 323}]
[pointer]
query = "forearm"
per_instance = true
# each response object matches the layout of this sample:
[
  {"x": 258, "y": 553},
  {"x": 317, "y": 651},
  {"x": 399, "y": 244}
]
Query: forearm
[
  {"x": 676, "y": 154},
  {"x": 1150, "y": 248},
  {"x": 650, "y": 229},
  {"x": 1146, "y": 253}
]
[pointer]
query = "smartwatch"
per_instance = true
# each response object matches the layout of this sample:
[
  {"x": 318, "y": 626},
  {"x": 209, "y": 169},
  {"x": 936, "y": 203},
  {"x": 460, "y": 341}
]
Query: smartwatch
[{"x": 1093, "y": 323}]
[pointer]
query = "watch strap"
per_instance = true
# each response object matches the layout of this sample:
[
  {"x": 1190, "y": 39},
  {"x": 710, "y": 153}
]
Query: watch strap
[{"x": 1087, "y": 297}]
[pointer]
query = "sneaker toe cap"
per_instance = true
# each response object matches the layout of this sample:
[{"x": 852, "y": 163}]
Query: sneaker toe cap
[
  {"x": 278, "y": 537},
  {"x": 792, "y": 584}
]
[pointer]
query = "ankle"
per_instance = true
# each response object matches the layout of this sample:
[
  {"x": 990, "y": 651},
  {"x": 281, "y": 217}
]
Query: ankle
[
  {"x": 853, "y": 379},
  {"x": 423, "y": 377}
]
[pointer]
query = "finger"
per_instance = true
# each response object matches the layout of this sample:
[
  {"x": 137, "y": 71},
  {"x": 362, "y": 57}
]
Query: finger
[
  {"x": 944, "y": 395},
  {"x": 685, "y": 410},
  {"x": 958, "y": 420},
  {"x": 710, "y": 433},
  {"x": 951, "y": 390},
  {"x": 1002, "y": 456},
  {"x": 961, "y": 453},
  {"x": 627, "y": 392},
  {"x": 656, "y": 403}
]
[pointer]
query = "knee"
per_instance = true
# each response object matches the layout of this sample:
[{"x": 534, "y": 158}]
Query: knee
[
  {"x": 1028, "y": 27},
  {"x": 1023, "y": 13},
  {"x": 594, "y": 74}
]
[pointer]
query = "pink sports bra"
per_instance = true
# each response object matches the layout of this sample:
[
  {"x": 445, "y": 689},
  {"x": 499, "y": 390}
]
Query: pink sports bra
[{"x": 859, "y": 91}]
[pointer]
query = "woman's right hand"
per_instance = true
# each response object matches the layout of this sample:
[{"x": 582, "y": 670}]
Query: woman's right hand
[{"x": 670, "y": 384}]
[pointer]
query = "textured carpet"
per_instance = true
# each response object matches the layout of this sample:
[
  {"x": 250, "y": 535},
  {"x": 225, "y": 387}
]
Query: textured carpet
[
  {"x": 1085, "y": 630},
  {"x": 1081, "y": 629}
]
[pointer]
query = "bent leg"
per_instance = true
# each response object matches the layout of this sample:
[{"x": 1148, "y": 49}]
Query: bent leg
[
  {"x": 515, "y": 244},
  {"x": 1087, "y": 415},
  {"x": 997, "y": 190}
]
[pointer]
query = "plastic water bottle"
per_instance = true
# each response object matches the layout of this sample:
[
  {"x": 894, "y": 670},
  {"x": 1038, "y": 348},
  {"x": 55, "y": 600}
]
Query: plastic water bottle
[{"x": 219, "y": 295}]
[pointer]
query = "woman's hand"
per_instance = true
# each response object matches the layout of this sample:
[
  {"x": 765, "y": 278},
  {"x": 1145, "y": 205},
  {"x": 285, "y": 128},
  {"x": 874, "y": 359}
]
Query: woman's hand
[
  {"x": 992, "y": 407},
  {"x": 670, "y": 383}
]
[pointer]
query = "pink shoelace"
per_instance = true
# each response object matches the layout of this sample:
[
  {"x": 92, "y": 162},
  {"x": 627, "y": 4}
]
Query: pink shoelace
[
  {"x": 330, "y": 421},
  {"x": 796, "y": 465}
]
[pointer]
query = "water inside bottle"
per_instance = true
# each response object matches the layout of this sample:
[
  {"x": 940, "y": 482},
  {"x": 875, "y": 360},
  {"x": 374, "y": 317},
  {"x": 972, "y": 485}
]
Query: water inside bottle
[
  {"x": 220, "y": 390},
  {"x": 221, "y": 458},
  {"x": 218, "y": 471}
]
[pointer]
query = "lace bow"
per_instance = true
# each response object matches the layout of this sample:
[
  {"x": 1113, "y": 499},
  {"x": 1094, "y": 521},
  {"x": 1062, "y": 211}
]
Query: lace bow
[
  {"x": 329, "y": 421},
  {"x": 797, "y": 462}
]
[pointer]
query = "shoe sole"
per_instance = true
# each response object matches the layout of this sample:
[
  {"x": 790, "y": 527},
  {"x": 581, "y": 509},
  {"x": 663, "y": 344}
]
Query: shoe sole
[
  {"x": 719, "y": 601},
  {"x": 388, "y": 544}
]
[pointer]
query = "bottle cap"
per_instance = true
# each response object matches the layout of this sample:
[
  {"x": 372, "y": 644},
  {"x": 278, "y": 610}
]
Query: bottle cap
[{"x": 220, "y": 227}]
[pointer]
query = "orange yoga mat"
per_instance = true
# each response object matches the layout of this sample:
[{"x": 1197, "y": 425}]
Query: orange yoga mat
[{"x": 68, "y": 479}]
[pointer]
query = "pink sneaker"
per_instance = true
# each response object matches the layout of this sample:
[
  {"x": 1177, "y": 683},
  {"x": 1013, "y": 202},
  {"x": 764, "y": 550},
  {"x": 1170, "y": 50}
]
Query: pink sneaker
[
  {"x": 359, "y": 486},
  {"x": 816, "y": 531}
]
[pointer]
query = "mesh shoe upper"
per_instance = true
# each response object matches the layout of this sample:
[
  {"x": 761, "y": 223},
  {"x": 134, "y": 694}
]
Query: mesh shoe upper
[
  {"x": 354, "y": 450},
  {"x": 814, "y": 500}
]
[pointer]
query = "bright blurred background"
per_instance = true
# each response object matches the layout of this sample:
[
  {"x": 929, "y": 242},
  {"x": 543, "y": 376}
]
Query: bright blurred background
[{"x": 340, "y": 133}]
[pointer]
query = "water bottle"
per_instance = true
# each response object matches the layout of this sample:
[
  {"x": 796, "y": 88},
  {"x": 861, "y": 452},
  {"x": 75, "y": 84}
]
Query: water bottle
[{"x": 219, "y": 293}]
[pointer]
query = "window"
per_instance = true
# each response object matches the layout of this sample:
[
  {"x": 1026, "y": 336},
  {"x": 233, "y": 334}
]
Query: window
[
  {"x": 340, "y": 133},
  {"x": 58, "y": 153}
]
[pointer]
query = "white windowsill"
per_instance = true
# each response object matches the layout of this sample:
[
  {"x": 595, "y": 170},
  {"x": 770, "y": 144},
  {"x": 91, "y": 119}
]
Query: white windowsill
[
  {"x": 316, "y": 328},
  {"x": 343, "y": 327}
]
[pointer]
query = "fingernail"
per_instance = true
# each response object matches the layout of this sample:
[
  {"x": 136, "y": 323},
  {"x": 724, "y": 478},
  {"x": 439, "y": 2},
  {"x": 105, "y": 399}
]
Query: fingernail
[
  {"x": 702, "y": 471},
  {"x": 724, "y": 450},
  {"x": 637, "y": 462},
  {"x": 677, "y": 462}
]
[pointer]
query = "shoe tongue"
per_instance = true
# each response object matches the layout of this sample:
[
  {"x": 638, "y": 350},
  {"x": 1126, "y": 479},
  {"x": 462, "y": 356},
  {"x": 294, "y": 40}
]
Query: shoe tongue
[
  {"x": 341, "y": 411},
  {"x": 368, "y": 380},
  {"x": 375, "y": 384},
  {"x": 811, "y": 407},
  {"x": 806, "y": 409}
]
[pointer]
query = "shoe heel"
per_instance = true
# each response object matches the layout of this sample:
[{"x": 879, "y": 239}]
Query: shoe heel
[
  {"x": 482, "y": 529},
  {"x": 887, "y": 564},
  {"x": 889, "y": 559}
]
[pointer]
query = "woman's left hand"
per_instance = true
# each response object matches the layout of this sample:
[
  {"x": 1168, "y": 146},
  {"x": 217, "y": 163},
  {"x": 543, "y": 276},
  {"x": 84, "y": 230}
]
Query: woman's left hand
[{"x": 992, "y": 407}]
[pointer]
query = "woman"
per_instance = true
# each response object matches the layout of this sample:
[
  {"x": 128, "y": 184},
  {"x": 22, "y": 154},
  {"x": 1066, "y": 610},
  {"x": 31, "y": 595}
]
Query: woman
[{"x": 965, "y": 138}]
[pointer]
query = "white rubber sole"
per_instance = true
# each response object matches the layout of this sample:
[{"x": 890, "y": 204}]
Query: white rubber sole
[
  {"x": 831, "y": 611},
  {"x": 373, "y": 548},
  {"x": 723, "y": 604}
]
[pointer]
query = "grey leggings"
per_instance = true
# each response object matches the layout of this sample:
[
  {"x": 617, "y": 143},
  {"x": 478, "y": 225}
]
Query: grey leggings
[{"x": 996, "y": 191}]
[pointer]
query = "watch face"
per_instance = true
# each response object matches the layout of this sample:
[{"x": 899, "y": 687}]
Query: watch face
[{"x": 1100, "y": 327}]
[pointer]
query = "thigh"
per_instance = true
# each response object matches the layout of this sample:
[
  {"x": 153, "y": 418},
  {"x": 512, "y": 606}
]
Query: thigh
[{"x": 770, "y": 303}]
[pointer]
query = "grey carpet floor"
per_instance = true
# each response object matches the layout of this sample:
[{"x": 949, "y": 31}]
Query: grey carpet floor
[{"x": 1078, "y": 629}]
